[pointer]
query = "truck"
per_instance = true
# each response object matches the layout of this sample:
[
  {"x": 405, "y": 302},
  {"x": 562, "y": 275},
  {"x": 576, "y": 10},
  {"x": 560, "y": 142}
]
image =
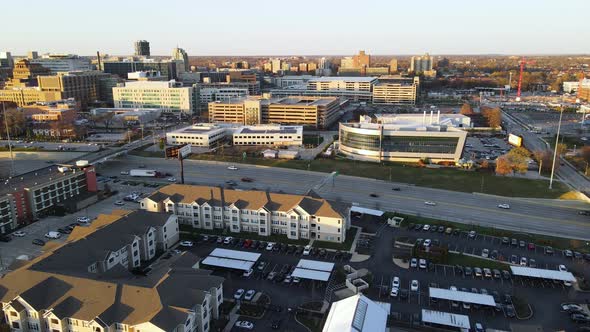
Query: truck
[{"x": 143, "y": 173}]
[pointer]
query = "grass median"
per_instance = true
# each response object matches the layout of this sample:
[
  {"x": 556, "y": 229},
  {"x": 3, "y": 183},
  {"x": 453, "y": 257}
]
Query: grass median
[{"x": 465, "y": 260}]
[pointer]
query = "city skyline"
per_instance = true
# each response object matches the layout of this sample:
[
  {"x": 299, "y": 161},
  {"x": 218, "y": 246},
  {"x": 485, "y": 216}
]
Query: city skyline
[{"x": 316, "y": 29}]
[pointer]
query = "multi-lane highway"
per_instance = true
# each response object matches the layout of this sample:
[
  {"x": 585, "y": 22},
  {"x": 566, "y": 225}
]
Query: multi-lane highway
[{"x": 550, "y": 217}]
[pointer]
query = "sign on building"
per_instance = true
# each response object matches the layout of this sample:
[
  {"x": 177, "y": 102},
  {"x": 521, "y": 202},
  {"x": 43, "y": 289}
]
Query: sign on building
[
  {"x": 515, "y": 140},
  {"x": 173, "y": 151}
]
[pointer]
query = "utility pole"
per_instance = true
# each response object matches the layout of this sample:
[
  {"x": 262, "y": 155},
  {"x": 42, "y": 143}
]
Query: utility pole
[
  {"x": 555, "y": 150},
  {"x": 9, "y": 142},
  {"x": 181, "y": 167}
]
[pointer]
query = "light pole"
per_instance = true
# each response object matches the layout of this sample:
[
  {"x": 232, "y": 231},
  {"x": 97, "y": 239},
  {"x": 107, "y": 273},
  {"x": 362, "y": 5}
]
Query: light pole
[{"x": 555, "y": 150}]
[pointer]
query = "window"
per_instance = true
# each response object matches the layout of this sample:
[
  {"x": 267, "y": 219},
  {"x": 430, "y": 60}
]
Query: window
[
  {"x": 318, "y": 228},
  {"x": 15, "y": 325},
  {"x": 151, "y": 251},
  {"x": 111, "y": 260},
  {"x": 14, "y": 314}
]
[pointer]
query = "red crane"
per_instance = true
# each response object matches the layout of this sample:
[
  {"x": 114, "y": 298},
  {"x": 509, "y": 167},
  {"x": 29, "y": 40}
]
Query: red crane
[{"x": 522, "y": 63}]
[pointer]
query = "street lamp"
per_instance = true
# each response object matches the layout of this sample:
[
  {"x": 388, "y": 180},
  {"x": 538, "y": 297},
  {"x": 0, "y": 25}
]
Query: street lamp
[{"x": 555, "y": 150}]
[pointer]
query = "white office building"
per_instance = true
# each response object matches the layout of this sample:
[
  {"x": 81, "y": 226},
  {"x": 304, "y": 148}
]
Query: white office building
[
  {"x": 207, "y": 135},
  {"x": 269, "y": 135},
  {"x": 63, "y": 62},
  {"x": 168, "y": 96},
  {"x": 289, "y": 80},
  {"x": 207, "y": 95},
  {"x": 571, "y": 87}
]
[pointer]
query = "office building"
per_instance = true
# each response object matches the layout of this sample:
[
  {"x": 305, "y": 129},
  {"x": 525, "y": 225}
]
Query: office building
[
  {"x": 251, "y": 211},
  {"x": 228, "y": 93},
  {"x": 97, "y": 281},
  {"x": 180, "y": 54},
  {"x": 27, "y": 72},
  {"x": 376, "y": 71},
  {"x": 82, "y": 86},
  {"x": 32, "y": 55},
  {"x": 356, "y": 65},
  {"x": 405, "y": 137},
  {"x": 142, "y": 48},
  {"x": 571, "y": 87},
  {"x": 268, "y": 135},
  {"x": 422, "y": 64},
  {"x": 128, "y": 117},
  {"x": 35, "y": 194},
  {"x": 6, "y": 60},
  {"x": 147, "y": 75},
  {"x": 63, "y": 63},
  {"x": 166, "y": 68},
  {"x": 393, "y": 66},
  {"x": 23, "y": 96},
  {"x": 364, "y": 84},
  {"x": 276, "y": 65},
  {"x": 206, "y": 135},
  {"x": 168, "y": 96},
  {"x": 325, "y": 63},
  {"x": 395, "y": 90},
  {"x": 289, "y": 80}
]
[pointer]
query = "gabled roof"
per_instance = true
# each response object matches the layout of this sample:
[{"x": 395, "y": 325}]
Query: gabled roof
[
  {"x": 45, "y": 293},
  {"x": 68, "y": 307}
]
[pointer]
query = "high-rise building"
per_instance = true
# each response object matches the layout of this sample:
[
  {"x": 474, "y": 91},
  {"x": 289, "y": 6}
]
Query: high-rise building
[
  {"x": 84, "y": 87},
  {"x": 169, "y": 96},
  {"x": 142, "y": 48},
  {"x": 393, "y": 66},
  {"x": 32, "y": 55},
  {"x": 361, "y": 60},
  {"x": 325, "y": 63},
  {"x": 181, "y": 55},
  {"x": 63, "y": 62},
  {"x": 276, "y": 65},
  {"x": 24, "y": 70},
  {"x": 167, "y": 68},
  {"x": 6, "y": 60},
  {"x": 422, "y": 64}
]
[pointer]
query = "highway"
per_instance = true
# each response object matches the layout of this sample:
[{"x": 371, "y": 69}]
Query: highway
[{"x": 549, "y": 217}]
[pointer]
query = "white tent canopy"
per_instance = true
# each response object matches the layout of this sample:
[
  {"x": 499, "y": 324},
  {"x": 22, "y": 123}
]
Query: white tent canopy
[
  {"x": 467, "y": 297},
  {"x": 445, "y": 318},
  {"x": 315, "y": 270},
  {"x": 232, "y": 259},
  {"x": 523, "y": 271}
]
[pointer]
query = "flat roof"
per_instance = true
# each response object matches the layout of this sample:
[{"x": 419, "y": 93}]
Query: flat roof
[
  {"x": 445, "y": 318},
  {"x": 467, "y": 297},
  {"x": 267, "y": 130},
  {"x": 301, "y": 100},
  {"x": 361, "y": 79},
  {"x": 232, "y": 259},
  {"x": 315, "y": 270},
  {"x": 34, "y": 178},
  {"x": 356, "y": 314},
  {"x": 542, "y": 273},
  {"x": 363, "y": 210}
]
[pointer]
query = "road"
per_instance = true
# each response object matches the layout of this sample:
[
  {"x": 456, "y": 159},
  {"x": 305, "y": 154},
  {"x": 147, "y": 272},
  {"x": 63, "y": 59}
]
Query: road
[{"x": 549, "y": 217}]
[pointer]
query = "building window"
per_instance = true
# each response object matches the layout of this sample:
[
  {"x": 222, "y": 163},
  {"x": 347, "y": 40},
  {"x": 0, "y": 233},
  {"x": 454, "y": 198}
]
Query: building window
[{"x": 15, "y": 325}]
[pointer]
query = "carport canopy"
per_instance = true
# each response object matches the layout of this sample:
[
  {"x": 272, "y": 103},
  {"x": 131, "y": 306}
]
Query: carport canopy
[
  {"x": 314, "y": 270},
  {"x": 467, "y": 297},
  {"x": 232, "y": 259},
  {"x": 372, "y": 212},
  {"x": 446, "y": 319},
  {"x": 530, "y": 272}
]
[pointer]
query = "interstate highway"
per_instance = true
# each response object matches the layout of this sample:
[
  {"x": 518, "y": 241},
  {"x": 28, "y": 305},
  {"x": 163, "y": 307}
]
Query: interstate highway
[{"x": 549, "y": 217}]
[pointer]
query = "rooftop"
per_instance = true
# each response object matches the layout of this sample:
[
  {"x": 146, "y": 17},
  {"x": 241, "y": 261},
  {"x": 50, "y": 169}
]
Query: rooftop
[
  {"x": 34, "y": 178},
  {"x": 356, "y": 314},
  {"x": 413, "y": 122},
  {"x": 304, "y": 101},
  {"x": 359, "y": 79},
  {"x": 202, "y": 128},
  {"x": 270, "y": 130}
]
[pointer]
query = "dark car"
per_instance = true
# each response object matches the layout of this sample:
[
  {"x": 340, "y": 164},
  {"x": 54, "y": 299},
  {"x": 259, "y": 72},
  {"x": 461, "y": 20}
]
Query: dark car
[
  {"x": 262, "y": 245},
  {"x": 441, "y": 229},
  {"x": 322, "y": 253},
  {"x": 254, "y": 244},
  {"x": 276, "y": 324},
  {"x": 291, "y": 249},
  {"x": 456, "y": 232},
  {"x": 578, "y": 255},
  {"x": 505, "y": 274},
  {"x": 299, "y": 250},
  {"x": 468, "y": 271},
  {"x": 396, "y": 189},
  {"x": 374, "y": 195},
  {"x": 38, "y": 242},
  {"x": 417, "y": 227},
  {"x": 64, "y": 230},
  {"x": 494, "y": 254},
  {"x": 584, "y": 213},
  {"x": 403, "y": 294},
  {"x": 276, "y": 247},
  {"x": 5, "y": 238},
  {"x": 459, "y": 269},
  {"x": 247, "y": 180},
  {"x": 548, "y": 250},
  {"x": 240, "y": 242},
  {"x": 505, "y": 240},
  {"x": 510, "y": 312},
  {"x": 507, "y": 299},
  {"x": 514, "y": 259},
  {"x": 580, "y": 318}
]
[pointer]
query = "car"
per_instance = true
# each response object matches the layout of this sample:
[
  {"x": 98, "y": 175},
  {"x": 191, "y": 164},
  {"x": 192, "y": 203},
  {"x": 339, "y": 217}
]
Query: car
[
  {"x": 403, "y": 293},
  {"x": 271, "y": 276},
  {"x": 487, "y": 273},
  {"x": 532, "y": 263},
  {"x": 472, "y": 234},
  {"x": 441, "y": 229},
  {"x": 427, "y": 243},
  {"x": 396, "y": 189},
  {"x": 414, "y": 285},
  {"x": 247, "y": 243},
  {"x": 504, "y": 206},
  {"x": 124, "y": 173},
  {"x": 306, "y": 250},
  {"x": 419, "y": 242},
  {"x": 448, "y": 231},
  {"x": 172, "y": 179},
  {"x": 459, "y": 269},
  {"x": 395, "y": 282},
  {"x": 186, "y": 243},
  {"x": 531, "y": 246},
  {"x": 38, "y": 242},
  {"x": 456, "y": 232},
  {"x": 249, "y": 295},
  {"x": 83, "y": 220},
  {"x": 422, "y": 263},
  {"x": 571, "y": 307},
  {"x": 468, "y": 271},
  {"x": 426, "y": 228},
  {"x": 578, "y": 255},
  {"x": 413, "y": 262},
  {"x": 64, "y": 230},
  {"x": 510, "y": 312},
  {"x": 270, "y": 246},
  {"x": 514, "y": 242},
  {"x": 239, "y": 293},
  {"x": 247, "y": 179},
  {"x": 568, "y": 253},
  {"x": 523, "y": 261},
  {"x": 261, "y": 245},
  {"x": 497, "y": 274},
  {"x": 477, "y": 272},
  {"x": 521, "y": 244},
  {"x": 220, "y": 239},
  {"x": 276, "y": 324},
  {"x": 232, "y": 168},
  {"x": 514, "y": 259},
  {"x": 288, "y": 279},
  {"x": 244, "y": 324},
  {"x": 580, "y": 318},
  {"x": 417, "y": 227},
  {"x": 466, "y": 305},
  {"x": 430, "y": 203},
  {"x": 479, "y": 327},
  {"x": 119, "y": 203},
  {"x": 436, "y": 242},
  {"x": 19, "y": 234},
  {"x": 507, "y": 299},
  {"x": 141, "y": 166},
  {"x": 494, "y": 254},
  {"x": 300, "y": 249},
  {"x": 505, "y": 240},
  {"x": 373, "y": 195},
  {"x": 584, "y": 213},
  {"x": 53, "y": 235},
  {"x": 562, "y": 268},
  {"x": 505, "y": 274},
  {"x": 394, "y": 292},
  {"x": 248, "y": 273},
  {"x": 261, "y": 265},
  {"x": 227, "y": 240},
  {"x": 485, "y": 253}
]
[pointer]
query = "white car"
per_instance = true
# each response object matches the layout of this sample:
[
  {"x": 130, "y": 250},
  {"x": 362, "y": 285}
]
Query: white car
[
  {"x": 53, "y": 235},
  {"x": 83, "y": 219},
  {"x": 306, "y": 250},
  {"x": 239, "y": 293},
  {"x": 244, "y": 324},
  {"x": 249, "y": 295},
  {"x": 19, "y": 234},
  {"x": 562, "y": 268},
  {"x": 269, "y": 246},
  {"x": 186, "y": 243},
  {"x": 232, "y": 168},
  {"x": 427, "y": 242},
  {"x": 248, "y": 273},
  {"x": 295, "y": 280},
  {"x": 227, "y": 240},
  {"x": 394, "y": 292},
  {"x": 426, "y": 228},
  {"x": 485, "y": 253},
  {"x": 422, "y": 263},
  {"x": 395, "y": 282},
  {"x": 414, "y": 262},
  {"x": 171, "y": 179},
  {"x": 414, "y": 286},
  {"x": 430, "y": 203},
  {"x": 523, "y": 261},
  {"x": 504, "y": 206}
]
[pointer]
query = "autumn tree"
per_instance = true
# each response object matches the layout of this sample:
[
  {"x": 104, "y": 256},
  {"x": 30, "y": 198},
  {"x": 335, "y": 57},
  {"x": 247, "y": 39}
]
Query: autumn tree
[
  {"x": 585, "y": 153},
  {"x": 544, "y": 159},
  {"x": 520, "y": 151},
  {"x": 493, "y": 116},
  {"x": 503, "y": 166},
  {"x": 106, "y": 119},
  {"x": 466, "y": 109},
  {"x": 14, "y": 120}
]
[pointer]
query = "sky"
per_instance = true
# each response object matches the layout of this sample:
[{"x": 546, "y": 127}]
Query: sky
[{"x": 302, "y": 27}]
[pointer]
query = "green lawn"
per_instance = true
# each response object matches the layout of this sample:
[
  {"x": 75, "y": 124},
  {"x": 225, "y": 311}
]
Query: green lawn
[
  {"x": 463, "y": 260},
  {"x": 313, "y": 140}
]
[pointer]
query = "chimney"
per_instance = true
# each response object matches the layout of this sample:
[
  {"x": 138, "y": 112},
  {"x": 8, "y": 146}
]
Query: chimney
[{"x": 98, "y": 58}]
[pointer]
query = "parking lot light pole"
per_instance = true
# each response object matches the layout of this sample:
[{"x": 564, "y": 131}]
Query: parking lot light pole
[{"x": 555, "y": 150}]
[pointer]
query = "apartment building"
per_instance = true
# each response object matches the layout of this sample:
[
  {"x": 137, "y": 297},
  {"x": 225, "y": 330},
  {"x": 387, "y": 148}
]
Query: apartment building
[
  {"x": 23, "y": 95},
  {"x": 94, "y": 283},
  {"x": 251, "y": 211},
  {"x": 268, "y": 135},
  {"x": 342, "y": 83},
  {"x": 169, "y": 96},
  {"x": 35, "y": 193}
]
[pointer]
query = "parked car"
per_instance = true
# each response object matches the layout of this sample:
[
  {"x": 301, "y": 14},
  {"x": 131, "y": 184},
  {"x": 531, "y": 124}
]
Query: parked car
[
  {"x": 426, "y": 228},
  {"x": 571, "y": 307},
  {"x": 485, "y": 253},
  {"x": 248, "y": 273},
  {"x": 422, "y": 263},
  {"x": 472, "y": 234},
  {"x": 19, "y": 234},
  {"x": 270, "y": 246},
  {"x": 239, "y": 293},
  {"x": 244, "y": 324},
  {"x": 414, "y": 286},
  {"x": 249, "y": 295},
  {"x": 514, "y": 259},
  {"x": 568, "y": 253},
  {"x": 510, "y": 312},
  {"x": 84, "y": 220},
  {"x": 505, "y": 274},
  {"x": 306, "y": 250},
  {"x": 119, "y": 203},
  {"x": 261, "y": 266},
  {"x": 53, "y": 235},
  {"x": 413, "y": 262},
  {"x": 548, "y": 250},
  {"x": 227, "y": 240},
  {"x": 505, "y": 240},
  {"x": 523, "y": 261},
  {"x": 38, "y": 242},
  {"x": 562, "y": 268},
  {"x": 186, "y": 243}
]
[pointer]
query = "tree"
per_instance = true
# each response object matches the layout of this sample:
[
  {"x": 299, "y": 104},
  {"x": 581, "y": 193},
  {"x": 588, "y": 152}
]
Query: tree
[
  {"x": 520, "y": 151},
  {"x": 585, "y": 153},
  {"x": 544, "y": 159},
  {"x": 15, "y": 121},
  {"x": 561, "y": 148},
  {"x": 162, "y": 144},
  {"x": 106, "y": 119},
  {"x": 485, "y": 165},
  {"x": 493, "y": 116},
  {"x": 503, "y": 166},
  {"x": 466, "y": 109}
]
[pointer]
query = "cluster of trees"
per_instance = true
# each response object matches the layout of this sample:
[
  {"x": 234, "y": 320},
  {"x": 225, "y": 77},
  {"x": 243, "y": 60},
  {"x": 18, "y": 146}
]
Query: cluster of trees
[
  {"x": 516, "y": 160},
  {"x": 13, "y": 120},
  {"x": 493, "y": 116}
]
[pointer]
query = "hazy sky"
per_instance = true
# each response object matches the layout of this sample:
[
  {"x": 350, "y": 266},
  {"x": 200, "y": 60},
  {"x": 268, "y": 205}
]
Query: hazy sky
[{"x": 276, "y": 27}]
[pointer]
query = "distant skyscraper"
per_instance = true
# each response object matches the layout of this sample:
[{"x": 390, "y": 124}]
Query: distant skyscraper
[
  {"x": 393, "y": 65},
  {"x": 32, "y": 55},
  {"x": 180, "y": 54},
  {"x": 325, "y": 63},
  {"x": 421, "y": 63},
  {"x": 276, "y": 65},
  {"x": 361, "y": 60},
  {"x": 142, "y": 48},
  {"x": 6, "y": 60}
]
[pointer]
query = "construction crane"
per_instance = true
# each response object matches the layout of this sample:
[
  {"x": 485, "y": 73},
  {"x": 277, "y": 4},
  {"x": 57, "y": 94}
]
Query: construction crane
[{"x": 522, "y": 63}]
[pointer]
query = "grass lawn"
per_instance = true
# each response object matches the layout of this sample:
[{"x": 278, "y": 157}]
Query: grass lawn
[
  {"x": 350, "y": 234},
  {"x": 313, "y": 140},
  {"x": 542, "y": 240},
  {"x": 463, "y": 260}
]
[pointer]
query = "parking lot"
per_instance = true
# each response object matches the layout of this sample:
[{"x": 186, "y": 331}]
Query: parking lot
[{"x": 488, "y": 148}]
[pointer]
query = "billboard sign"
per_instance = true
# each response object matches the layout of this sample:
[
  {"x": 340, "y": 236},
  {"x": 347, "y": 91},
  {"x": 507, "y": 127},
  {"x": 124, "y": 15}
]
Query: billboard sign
[
  {"x": 515, "y": 140},
  {"x": 185, "y": 151},
  {"x": 173, "y": 151}
]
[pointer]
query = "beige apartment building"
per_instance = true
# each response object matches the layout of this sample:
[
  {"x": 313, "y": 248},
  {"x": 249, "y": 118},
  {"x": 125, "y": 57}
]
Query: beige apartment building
[
  {"x": 250, "y": 211},
  {"x": 169, "y": 96}
]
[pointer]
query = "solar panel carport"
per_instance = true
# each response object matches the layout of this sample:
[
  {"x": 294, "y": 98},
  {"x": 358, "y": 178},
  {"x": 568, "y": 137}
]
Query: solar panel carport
[
  {"x": 446, "y": 319},
  {"x": 459, "y": 296},
  {"x": 315, "y": 270},
  {"x": 530, "y": 272},
  {"x": 232, "y": 259}
]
